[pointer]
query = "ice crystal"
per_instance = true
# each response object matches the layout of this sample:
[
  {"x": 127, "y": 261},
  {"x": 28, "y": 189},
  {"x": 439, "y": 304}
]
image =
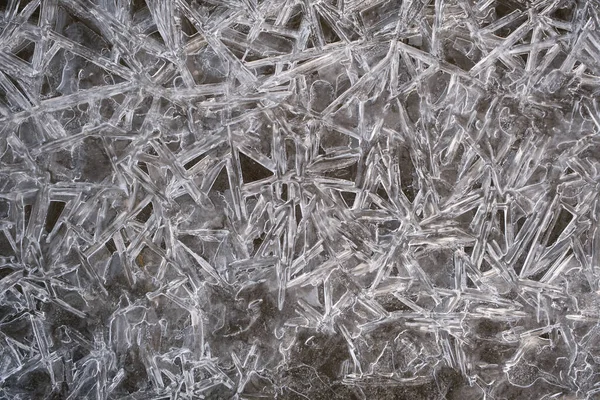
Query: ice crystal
[{"x": 299, "y": 199}]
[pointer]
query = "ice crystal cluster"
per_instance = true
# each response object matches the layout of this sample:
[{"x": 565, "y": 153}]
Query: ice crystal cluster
[{"x": 299, "y": 199}]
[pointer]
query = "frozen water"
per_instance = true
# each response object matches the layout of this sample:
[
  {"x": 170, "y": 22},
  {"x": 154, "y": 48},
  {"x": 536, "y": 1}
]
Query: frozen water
[{"x": 299, "y": 199}]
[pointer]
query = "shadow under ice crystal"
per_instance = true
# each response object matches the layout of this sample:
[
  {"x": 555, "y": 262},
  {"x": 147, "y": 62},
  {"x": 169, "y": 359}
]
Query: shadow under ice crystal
[{"x": 298, "y": 199}]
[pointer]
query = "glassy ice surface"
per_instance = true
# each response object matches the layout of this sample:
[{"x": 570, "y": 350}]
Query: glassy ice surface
[{"x": 298, "y": 199}]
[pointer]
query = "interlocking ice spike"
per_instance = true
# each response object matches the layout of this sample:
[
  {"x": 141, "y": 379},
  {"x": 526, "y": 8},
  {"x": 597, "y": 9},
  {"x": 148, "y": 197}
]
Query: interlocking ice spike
[{"x": 291, "y": 199}]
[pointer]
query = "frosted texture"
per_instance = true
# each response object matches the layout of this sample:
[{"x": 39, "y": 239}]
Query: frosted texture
[{"x": 298, "y": 199}]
